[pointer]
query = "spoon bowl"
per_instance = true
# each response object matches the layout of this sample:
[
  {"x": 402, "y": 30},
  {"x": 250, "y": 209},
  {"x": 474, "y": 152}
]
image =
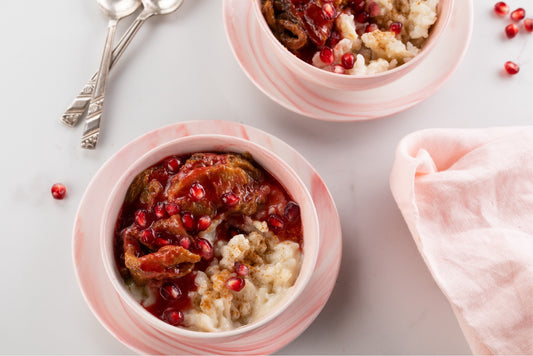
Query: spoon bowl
[
  {"x": 116, "y": 9},
  {"x": 162, "y": 7}
]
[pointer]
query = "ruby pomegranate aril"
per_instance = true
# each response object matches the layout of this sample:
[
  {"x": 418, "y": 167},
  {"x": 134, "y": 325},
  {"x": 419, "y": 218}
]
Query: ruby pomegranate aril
[
  {"x": 172, "y": 316},
  {"x": 275, "y": 222},
  {"x": 371, "y": 27},
  {"x": 292, "y": 211},
  {"x": 511, "y": 68},
  {"x": 196, "y": 191},
  {"x": 326, "y": 55},
  {"x": 362, "y": 17},
  {"x": 333, "y": 39},
  {"x": 230, "y": 199},
  {"x": 159, "y": 210},
  {"x": 373, "y": 9},
  {"x": 348, "y": 61},
  {"x": 329, "y": 11},
  {"x": 396, "y": 27},
  {"x": 172, "y": 209},
  {"x": 203, "y": 223},
  {"x": 159, "y": 241},
  {"x": 528, "y": 24},
  {"x": 148, "y": 237},
  {"x": 170, "y": 291},
  {"x": 501, "y": 8},
  {"x": 337, "y": 68},
  {"x": 511, "y": 30},
  {"x": 359, "y": 5},
  {"x": 185, "y": 242},
  {"x": 58, "y": 191},
  {"x": 235, "y": 284},
  {"x": 204, "y": 249},
  {"x": 241, "y": 269},
  {"x": 188, "y": 221},
  {"x": 173, "y": 164},
  {"x": 142, "y": 218},
  {"x": 518, "y": 14}
]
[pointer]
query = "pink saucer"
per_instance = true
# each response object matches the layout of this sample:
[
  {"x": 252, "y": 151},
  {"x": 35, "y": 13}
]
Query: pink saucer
[
  {"x": 141, "y": 337},
  {"x": 274, "y": 79}
]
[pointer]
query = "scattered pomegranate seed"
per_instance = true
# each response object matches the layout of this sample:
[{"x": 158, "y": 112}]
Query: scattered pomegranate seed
[
  {"x": 518, "y": 14},
  {"x": 528, "y": 24},
  {"x": 230, "y": 199},
  {"x": 241, "y": 269},
  {"x": 396, "y": 27},
  {"x": 196, "y": 191},
  {"x": 334, "y": 38},
  {"x": 329, "y": 11},
  {"x": 326, "y": 55},
  {"x": 142, "y": 218},
  {"x": 275, "y": 222},
  {"x": 59, "y": 191},
  {"x": 188, "y": 221},
  {"x": 292, "y": 211},
  {"x": 235, "y": 284},
  {"x": 348, "y": 61},
  {"x": 185, "y": 242},
  {"x": 170, "y": 291},
  {"x": 173, "y": 164},
  {"x": 162, "y": 242},
  {"x": 159, "y": 210},
  {"x": 511, "y": 68},
  {"x": 203, "y": 223},
  {"x": 337, "y": 68},
  {"x": 371, "y": 27},
  {"x": 172, "y": 316},
  {"x": 172, "y": 209},
  {"x": 359, "y": 5},
  {"x": 148, "y": 237},
  {"x": 373, "y": 9},
  {"x": 362, "y": 17},
  {"x": 501, "y": 8},
  {"x": 511, "y": 30},
  {"x": 205, "y": 250}
]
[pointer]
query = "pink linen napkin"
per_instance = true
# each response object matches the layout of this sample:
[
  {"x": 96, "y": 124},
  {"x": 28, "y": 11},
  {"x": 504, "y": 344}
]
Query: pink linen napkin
[{"x": 467, "y": 198}]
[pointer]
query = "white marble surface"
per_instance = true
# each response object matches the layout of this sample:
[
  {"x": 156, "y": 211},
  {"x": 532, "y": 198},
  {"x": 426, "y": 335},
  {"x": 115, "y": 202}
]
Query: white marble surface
[{"x": 180, "y": 68}]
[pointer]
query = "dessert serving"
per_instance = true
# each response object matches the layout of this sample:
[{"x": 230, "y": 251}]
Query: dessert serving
[
  {"x": 356, "y": 37},
  {"x": 208, "y": 241}
]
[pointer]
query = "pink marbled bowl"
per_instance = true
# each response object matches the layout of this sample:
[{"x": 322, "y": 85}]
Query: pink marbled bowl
[
  {"x": 333, "y": 80},
  {"x": 214, "y": 143}
]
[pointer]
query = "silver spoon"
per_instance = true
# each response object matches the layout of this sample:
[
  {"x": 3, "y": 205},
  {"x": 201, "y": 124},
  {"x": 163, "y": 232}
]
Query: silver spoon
[
  {"x": 114, "y": 10},
  {"x": 150, "y": 8}
]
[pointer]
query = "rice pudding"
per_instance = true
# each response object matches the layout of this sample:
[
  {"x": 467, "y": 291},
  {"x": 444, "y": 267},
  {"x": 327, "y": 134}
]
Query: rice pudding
[
  {"x": 208, "y": 241},
  {"x": 355, "y": 37}
]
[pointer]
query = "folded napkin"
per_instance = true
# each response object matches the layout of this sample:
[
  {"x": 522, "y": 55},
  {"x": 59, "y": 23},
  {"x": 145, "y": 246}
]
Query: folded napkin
[{"x": 467, "y": 197}]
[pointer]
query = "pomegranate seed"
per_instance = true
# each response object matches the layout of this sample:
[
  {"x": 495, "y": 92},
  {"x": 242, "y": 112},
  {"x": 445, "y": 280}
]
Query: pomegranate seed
[
  {"x": 511, "y": 68},
  {"x": 58, "y": 191},
  {"x": 348, "y": 61},
  {"x": 240, "y": 269},
  {"x": 373, "y": 9},
  {"x": 170, "y": 291},
  {"x": 148, "y": 237},
  {"x": 396, "y": 27},
  {"x": 333, "y": 39},
  {"x": 173, "y": 164},
  {"x": 205, "y": 250},
  {"x": 359, "y": 5},
  {"x": 518, "y": 14},
  {"x": 292, "y": 211},
  {"x": 142, "y": 218},
  {"x": 172, "y": 209},
  {"x": 328, "y": 11},
  {"x": 511, "y": 30},
  {"x": 362, "y": 17},
  {"x": 185, "y": 242},
  {"x": 230, "y": 199},
  {"x": 337, "y": 68},
  {"x": 162, "y": 242},
  {"x": 371, "y": 27},
  {"x": 501, "y": 8},
  {"x": 188, "y": 221},
  {"x": 528, "y": 24},
  {"x": 326, "y": 55},
  {"x": 275, "y": 222},
  {"x": 172, "y": 316},
  {"x": 203, "y": 223},
  {"x": 159, "y": 210},
  {"x": 196, "y": 191},
  {"x": 235, "y": 284}
]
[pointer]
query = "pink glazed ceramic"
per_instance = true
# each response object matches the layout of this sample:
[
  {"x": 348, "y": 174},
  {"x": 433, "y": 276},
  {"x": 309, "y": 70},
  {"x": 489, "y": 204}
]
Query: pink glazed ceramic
[
  {"x": 328, "y": 79},
  {"x": 212, "y": 143}
]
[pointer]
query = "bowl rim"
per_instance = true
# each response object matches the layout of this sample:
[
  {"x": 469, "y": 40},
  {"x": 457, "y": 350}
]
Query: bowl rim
[
  {"x": 117, "y": 282},
  {"x": 315, "y": 71}
]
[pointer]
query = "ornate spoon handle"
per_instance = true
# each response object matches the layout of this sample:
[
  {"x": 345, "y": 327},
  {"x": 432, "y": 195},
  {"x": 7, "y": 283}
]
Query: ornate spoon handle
[
  {"x": 77, "y": 109},
  {"x": 91, "y": 130}
]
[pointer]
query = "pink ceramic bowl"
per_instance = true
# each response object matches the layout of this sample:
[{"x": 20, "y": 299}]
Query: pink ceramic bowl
[
  {"x": 333, "y": 80},
  {"x": 211, "y": 143}
]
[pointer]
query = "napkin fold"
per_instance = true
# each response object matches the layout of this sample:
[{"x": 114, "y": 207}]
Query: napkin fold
[{"x": 467, "y": 198}]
